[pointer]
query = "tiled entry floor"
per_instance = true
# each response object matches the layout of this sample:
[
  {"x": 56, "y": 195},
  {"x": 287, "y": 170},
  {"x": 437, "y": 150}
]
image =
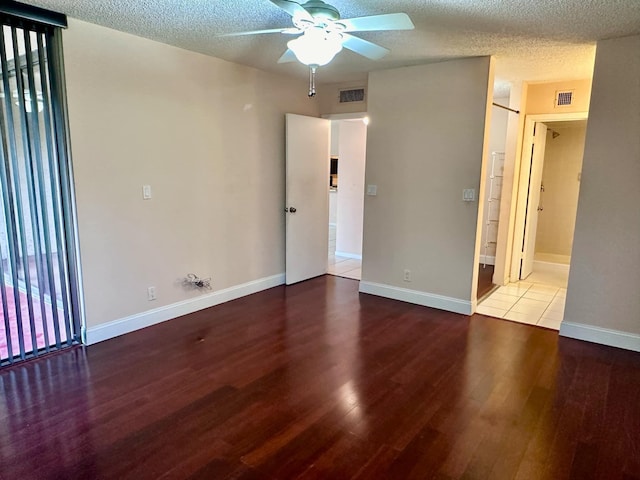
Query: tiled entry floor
[
  {"x": 526, "y": 302},
  {"x": 344, "y": 267}
]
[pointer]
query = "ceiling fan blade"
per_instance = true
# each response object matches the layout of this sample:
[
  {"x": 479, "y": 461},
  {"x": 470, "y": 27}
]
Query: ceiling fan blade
[
  {"x": 256, "y": 32},
  {"x": 363, "y": 47},
  {"x": 287, "y": 57},
  {"x": 293, "y": 8},
  {"x": 391, "y": 21}
]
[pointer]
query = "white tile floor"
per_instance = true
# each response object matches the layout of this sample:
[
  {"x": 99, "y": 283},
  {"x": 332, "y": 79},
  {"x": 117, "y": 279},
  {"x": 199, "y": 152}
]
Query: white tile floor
[
  {"x": 537, "y": 301},
  {"x": 342, "y": 266},
  {"x": 345, "y": 267}
]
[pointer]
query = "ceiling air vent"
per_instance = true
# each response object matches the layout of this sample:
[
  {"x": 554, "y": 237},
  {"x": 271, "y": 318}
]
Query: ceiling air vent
[
  {"x": 564, "y": 98},
  {"x": 352, "y": 95}
]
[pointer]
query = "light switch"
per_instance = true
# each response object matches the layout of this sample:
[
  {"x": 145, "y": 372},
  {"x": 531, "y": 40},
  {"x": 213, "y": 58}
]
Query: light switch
[
  {"x": 469, "y": 195},
  {"x": 372, "y": 190},
  {"x": 146, "y": 192}
]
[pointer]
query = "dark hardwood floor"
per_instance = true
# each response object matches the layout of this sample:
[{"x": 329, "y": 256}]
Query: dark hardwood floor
[
  {"x": 485, "y": 280},
  {"x": 317, "y": 381}
]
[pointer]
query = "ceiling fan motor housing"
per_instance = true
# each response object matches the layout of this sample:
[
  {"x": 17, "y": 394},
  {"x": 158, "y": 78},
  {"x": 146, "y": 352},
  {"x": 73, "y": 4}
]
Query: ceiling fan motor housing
[{"x": 320, "y": 10}]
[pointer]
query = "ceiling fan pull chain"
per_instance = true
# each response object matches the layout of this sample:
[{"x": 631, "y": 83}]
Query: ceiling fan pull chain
[{"x": 312, "y": 81}]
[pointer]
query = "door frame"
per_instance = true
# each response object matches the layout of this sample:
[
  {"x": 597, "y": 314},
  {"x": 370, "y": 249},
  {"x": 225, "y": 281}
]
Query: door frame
[
  {"x": 350, "y": 116},
  {"x": 518, "y": 225}
]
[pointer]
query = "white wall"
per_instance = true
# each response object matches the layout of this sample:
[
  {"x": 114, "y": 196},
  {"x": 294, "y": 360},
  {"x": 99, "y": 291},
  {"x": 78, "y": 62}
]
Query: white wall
[
  {"x": 335, "y": 138},
  {"x": 207, "y": 135},
  {"x": 509, "y": 191},
  {"x": 605, "y": 265},
  {"x": 497, "y": 144},
  {"x": 498, "y": 128},
  {"x": 351, "y": 171},
  {"x": 333, "y": 207},
  {"x": 425, "y": 144}
]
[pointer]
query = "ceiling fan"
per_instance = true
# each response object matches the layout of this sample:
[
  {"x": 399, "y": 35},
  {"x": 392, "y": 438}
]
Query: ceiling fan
[{"x": 322, "y": 34}]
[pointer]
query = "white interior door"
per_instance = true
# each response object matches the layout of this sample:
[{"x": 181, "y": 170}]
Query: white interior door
[
  {"x": 533, "y": 200},
  {"x": 307, "y": 197}
]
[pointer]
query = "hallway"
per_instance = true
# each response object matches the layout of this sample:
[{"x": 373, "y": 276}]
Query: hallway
[
  {"x": 538, "y": 300},
  {"x": 340, "y": 266}
]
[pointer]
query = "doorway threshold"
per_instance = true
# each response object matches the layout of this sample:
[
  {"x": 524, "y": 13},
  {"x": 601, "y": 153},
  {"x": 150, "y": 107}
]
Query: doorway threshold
[
  {"x": 345, "y": 267},
  {"x": 539, "y": 304}
]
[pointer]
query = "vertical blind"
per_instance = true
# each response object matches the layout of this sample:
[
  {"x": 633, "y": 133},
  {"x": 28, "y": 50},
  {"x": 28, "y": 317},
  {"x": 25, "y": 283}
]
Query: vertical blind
[{"x": 38, "y": 281}]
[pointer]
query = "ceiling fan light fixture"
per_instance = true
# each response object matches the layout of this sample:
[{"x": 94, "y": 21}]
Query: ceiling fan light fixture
[
  {"x": 316, "y": 47},
  {"x": 320, "y": 10}
]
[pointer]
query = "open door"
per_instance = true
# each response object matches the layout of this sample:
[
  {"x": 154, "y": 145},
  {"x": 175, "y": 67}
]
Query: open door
[
  {"x": 307, "y": 197},
  {"x": 533, "y": 200}
]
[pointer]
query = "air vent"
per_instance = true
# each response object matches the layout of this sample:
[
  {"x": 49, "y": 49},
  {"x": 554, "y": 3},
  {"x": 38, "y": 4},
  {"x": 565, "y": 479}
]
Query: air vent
[
  {"x": 352, "y": 95},
  {"x": 564, "y": 98}
]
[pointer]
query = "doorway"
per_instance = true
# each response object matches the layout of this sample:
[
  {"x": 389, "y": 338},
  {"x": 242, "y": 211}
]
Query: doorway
[
  {"x": 558, "y": 202},
  {"x": 546, "y": 213},
  {"x": 346, "y": 196},
  {"x": 324, "y": 225}
]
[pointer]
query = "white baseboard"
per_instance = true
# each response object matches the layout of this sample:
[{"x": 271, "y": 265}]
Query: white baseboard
[
  {"x": 151, "y": 317},
  {"x": 552, "y": 258},
  {"x": 604, "y": 336},
  {"x": 349, "y": 255},
  {"x": 488, "y": 259},
  {"x": 550, "y": 267},
  {"x": 419, "y": 298}
]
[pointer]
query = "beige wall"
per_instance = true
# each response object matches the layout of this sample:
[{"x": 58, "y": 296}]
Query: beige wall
[
  {"x": 329, "y": 98},
  {"x": 541, "y": 97},
  {"x": 560, "y": 177},
  {"x": 207, "y": 135},
  {"x": 425, "y": 144},
  {"x": 605, "y": 265},
  {"x": 351, "y": 166}
]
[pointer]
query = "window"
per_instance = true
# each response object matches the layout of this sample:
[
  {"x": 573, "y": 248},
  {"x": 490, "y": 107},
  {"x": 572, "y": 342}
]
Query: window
[{"x": 38, "y": 267}]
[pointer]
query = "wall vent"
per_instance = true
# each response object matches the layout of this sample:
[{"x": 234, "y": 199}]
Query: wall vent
[
  {"x": 352, "y": 95},
  {"x": 564, "y": 98}
]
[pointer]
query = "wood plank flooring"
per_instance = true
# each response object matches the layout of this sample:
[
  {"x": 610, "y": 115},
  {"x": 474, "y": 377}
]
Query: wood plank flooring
[
  {"x": 485, "y": 280},
  {"x": 316, "y": 381}
]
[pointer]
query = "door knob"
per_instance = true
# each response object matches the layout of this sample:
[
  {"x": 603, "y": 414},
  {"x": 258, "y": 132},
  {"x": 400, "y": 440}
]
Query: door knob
[{"x": 292, "y": 209}]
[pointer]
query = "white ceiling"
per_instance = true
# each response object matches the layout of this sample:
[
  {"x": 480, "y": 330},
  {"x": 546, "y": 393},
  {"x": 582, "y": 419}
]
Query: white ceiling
[{"x": 533, "y": 40}]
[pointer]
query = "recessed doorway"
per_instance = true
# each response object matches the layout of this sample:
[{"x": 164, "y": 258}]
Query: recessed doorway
[
  {"x": 547, "y": 207},
  {"x": 346, "y": 196}
]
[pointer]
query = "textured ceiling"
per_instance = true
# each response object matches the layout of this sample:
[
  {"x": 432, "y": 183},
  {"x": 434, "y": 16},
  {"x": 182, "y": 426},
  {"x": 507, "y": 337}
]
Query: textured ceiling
[{"x": 533, "y": 40}]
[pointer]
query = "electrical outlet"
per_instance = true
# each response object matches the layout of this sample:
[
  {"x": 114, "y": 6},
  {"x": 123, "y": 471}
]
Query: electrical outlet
[
  {"x": 151, "y": 293},
  {"x": 407, "y": 275}
]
